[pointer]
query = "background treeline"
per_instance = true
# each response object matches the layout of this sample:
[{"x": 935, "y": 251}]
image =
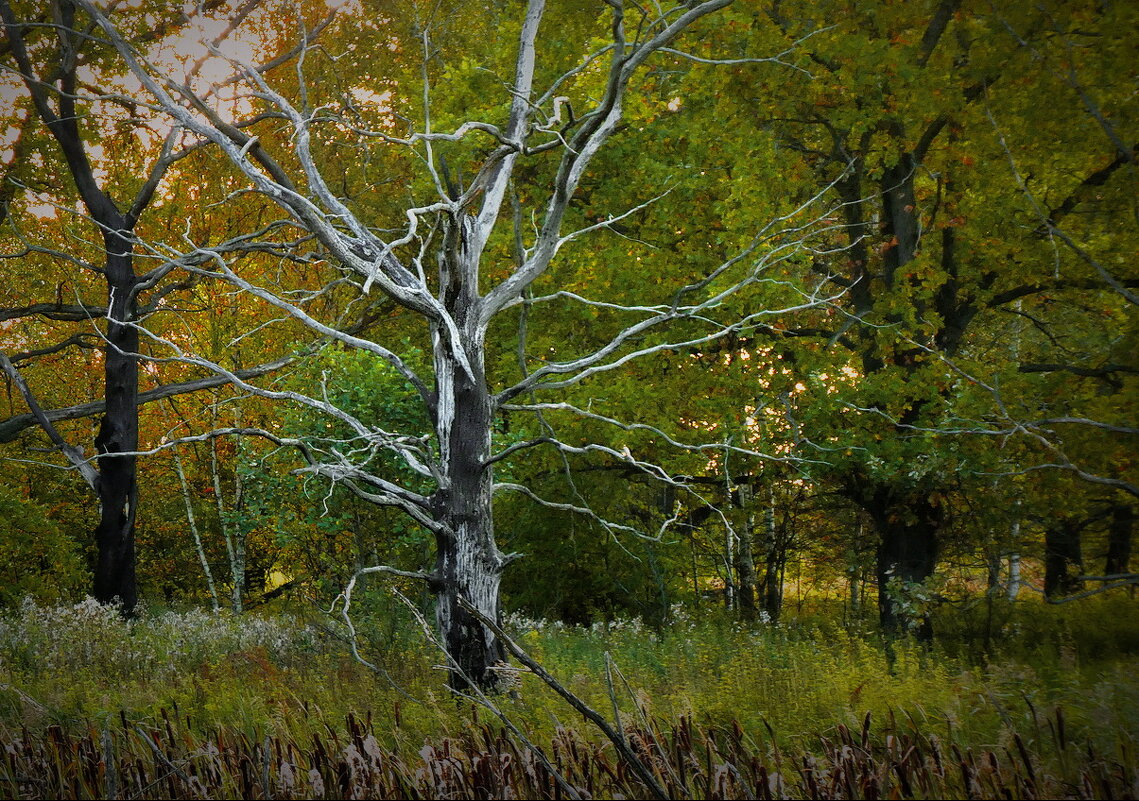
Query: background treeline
[{"x": 955, "y": 426}]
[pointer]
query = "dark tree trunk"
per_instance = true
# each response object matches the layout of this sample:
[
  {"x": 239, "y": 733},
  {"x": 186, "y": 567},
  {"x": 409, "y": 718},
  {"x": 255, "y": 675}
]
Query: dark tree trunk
[
  {"x": 1063, "y": 559},
  {"x": 908, "y": 545},
  {"x": 775, "y": 557},
  {"x": 1119, "y": 540},
  {"x": 114, "y": 579},
  {"x": 900, "y": 223},
  {"x": 773, "y": 589}
]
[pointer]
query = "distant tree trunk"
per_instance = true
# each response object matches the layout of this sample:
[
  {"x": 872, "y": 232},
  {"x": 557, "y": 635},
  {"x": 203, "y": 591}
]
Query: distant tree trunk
[
  {"x": 856, "y": 574},
  {"x": 695, "y": 567},
  {"x": 908, "y": 547},
  {"x": 745, "y": 570},
  {"x": 729, "y": 568},
  {"x": 1119, "y": 540},
  {"x": 1014, "y": 561},
  {"x": 1013, "y": 575},
  {"x": 993, "y": 564},
  {"x": 908, "y": 528},
  {"x": 1063, "y": 560},
  {"x": 660, "y": 578},
  {"x": 775, "y": 557}
]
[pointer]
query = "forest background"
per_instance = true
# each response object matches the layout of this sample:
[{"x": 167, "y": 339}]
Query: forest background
[{"x": 770, "y": 320}]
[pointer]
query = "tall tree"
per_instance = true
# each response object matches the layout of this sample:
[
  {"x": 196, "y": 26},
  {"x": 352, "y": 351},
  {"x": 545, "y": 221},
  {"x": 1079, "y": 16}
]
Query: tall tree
[
  {"x": 902, "y": 387},
  {"x": 110, "y": 153},
  {"x": 54, "y": 90},
  {"x": 545, "y": 123}
]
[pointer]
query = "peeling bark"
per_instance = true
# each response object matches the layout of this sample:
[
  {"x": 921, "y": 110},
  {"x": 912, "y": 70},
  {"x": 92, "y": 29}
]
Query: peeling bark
[{"x": 468, "y": 563}]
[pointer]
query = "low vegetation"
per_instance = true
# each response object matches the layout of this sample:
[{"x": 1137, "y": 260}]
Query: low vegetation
[{"x": 195, "y": 705}]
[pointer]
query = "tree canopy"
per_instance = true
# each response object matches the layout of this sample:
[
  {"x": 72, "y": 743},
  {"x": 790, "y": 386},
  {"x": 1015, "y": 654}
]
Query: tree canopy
[{"x": 583, "y": 309}]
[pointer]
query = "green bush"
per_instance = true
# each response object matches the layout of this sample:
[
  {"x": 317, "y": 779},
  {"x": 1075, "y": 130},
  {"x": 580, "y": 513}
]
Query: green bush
[
  {"x": 36, "y": 558},
  {"x": 1100, "y": 627}
]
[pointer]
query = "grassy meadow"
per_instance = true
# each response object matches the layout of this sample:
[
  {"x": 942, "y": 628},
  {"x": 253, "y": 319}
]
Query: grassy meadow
[{"x": 196, "y": 705}]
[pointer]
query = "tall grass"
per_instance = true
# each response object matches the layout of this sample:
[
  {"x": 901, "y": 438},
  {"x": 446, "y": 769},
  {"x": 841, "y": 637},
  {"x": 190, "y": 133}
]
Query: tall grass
[
  {"x": 200, "y": 705},
  {"x": 164, "y": 759}
]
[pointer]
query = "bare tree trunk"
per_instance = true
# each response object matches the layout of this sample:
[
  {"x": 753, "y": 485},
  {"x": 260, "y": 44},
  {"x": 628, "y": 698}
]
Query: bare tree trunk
[
  {"x": 775, "y": 558},
  {"x": 745, "y": 569},
  {"x": 695, "y": 569},
  {"x": 1013, "y": 572},
  {"x": 729, "y": 568},
  {"x": 459, "y": 513},
  {"x": 468, "y": 562},
  {"x": 1013, "y": 586}
]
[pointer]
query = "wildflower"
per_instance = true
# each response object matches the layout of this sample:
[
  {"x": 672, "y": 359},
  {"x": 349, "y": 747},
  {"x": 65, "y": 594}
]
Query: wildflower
[
  {"x": 287, "y": 776},
  {"x": 317, "y": 783}
]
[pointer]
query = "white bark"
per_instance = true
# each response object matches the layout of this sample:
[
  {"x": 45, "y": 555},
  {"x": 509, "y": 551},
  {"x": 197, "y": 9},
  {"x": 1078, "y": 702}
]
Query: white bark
[{"x": 1013, "y": 588}]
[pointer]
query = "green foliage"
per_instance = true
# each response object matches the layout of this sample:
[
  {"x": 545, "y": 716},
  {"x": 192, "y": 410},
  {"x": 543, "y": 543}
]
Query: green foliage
[
  {"x": 324, "y": 530},
  {"x": 1051, "y": 636},
  {"x": 36, "y": 557},
  {"x": 779, "y": 688},
  {"x": 366, "y": 387}
]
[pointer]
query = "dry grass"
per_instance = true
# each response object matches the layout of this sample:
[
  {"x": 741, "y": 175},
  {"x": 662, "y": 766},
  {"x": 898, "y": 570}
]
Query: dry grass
[{"x": 893, "y": 760}]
